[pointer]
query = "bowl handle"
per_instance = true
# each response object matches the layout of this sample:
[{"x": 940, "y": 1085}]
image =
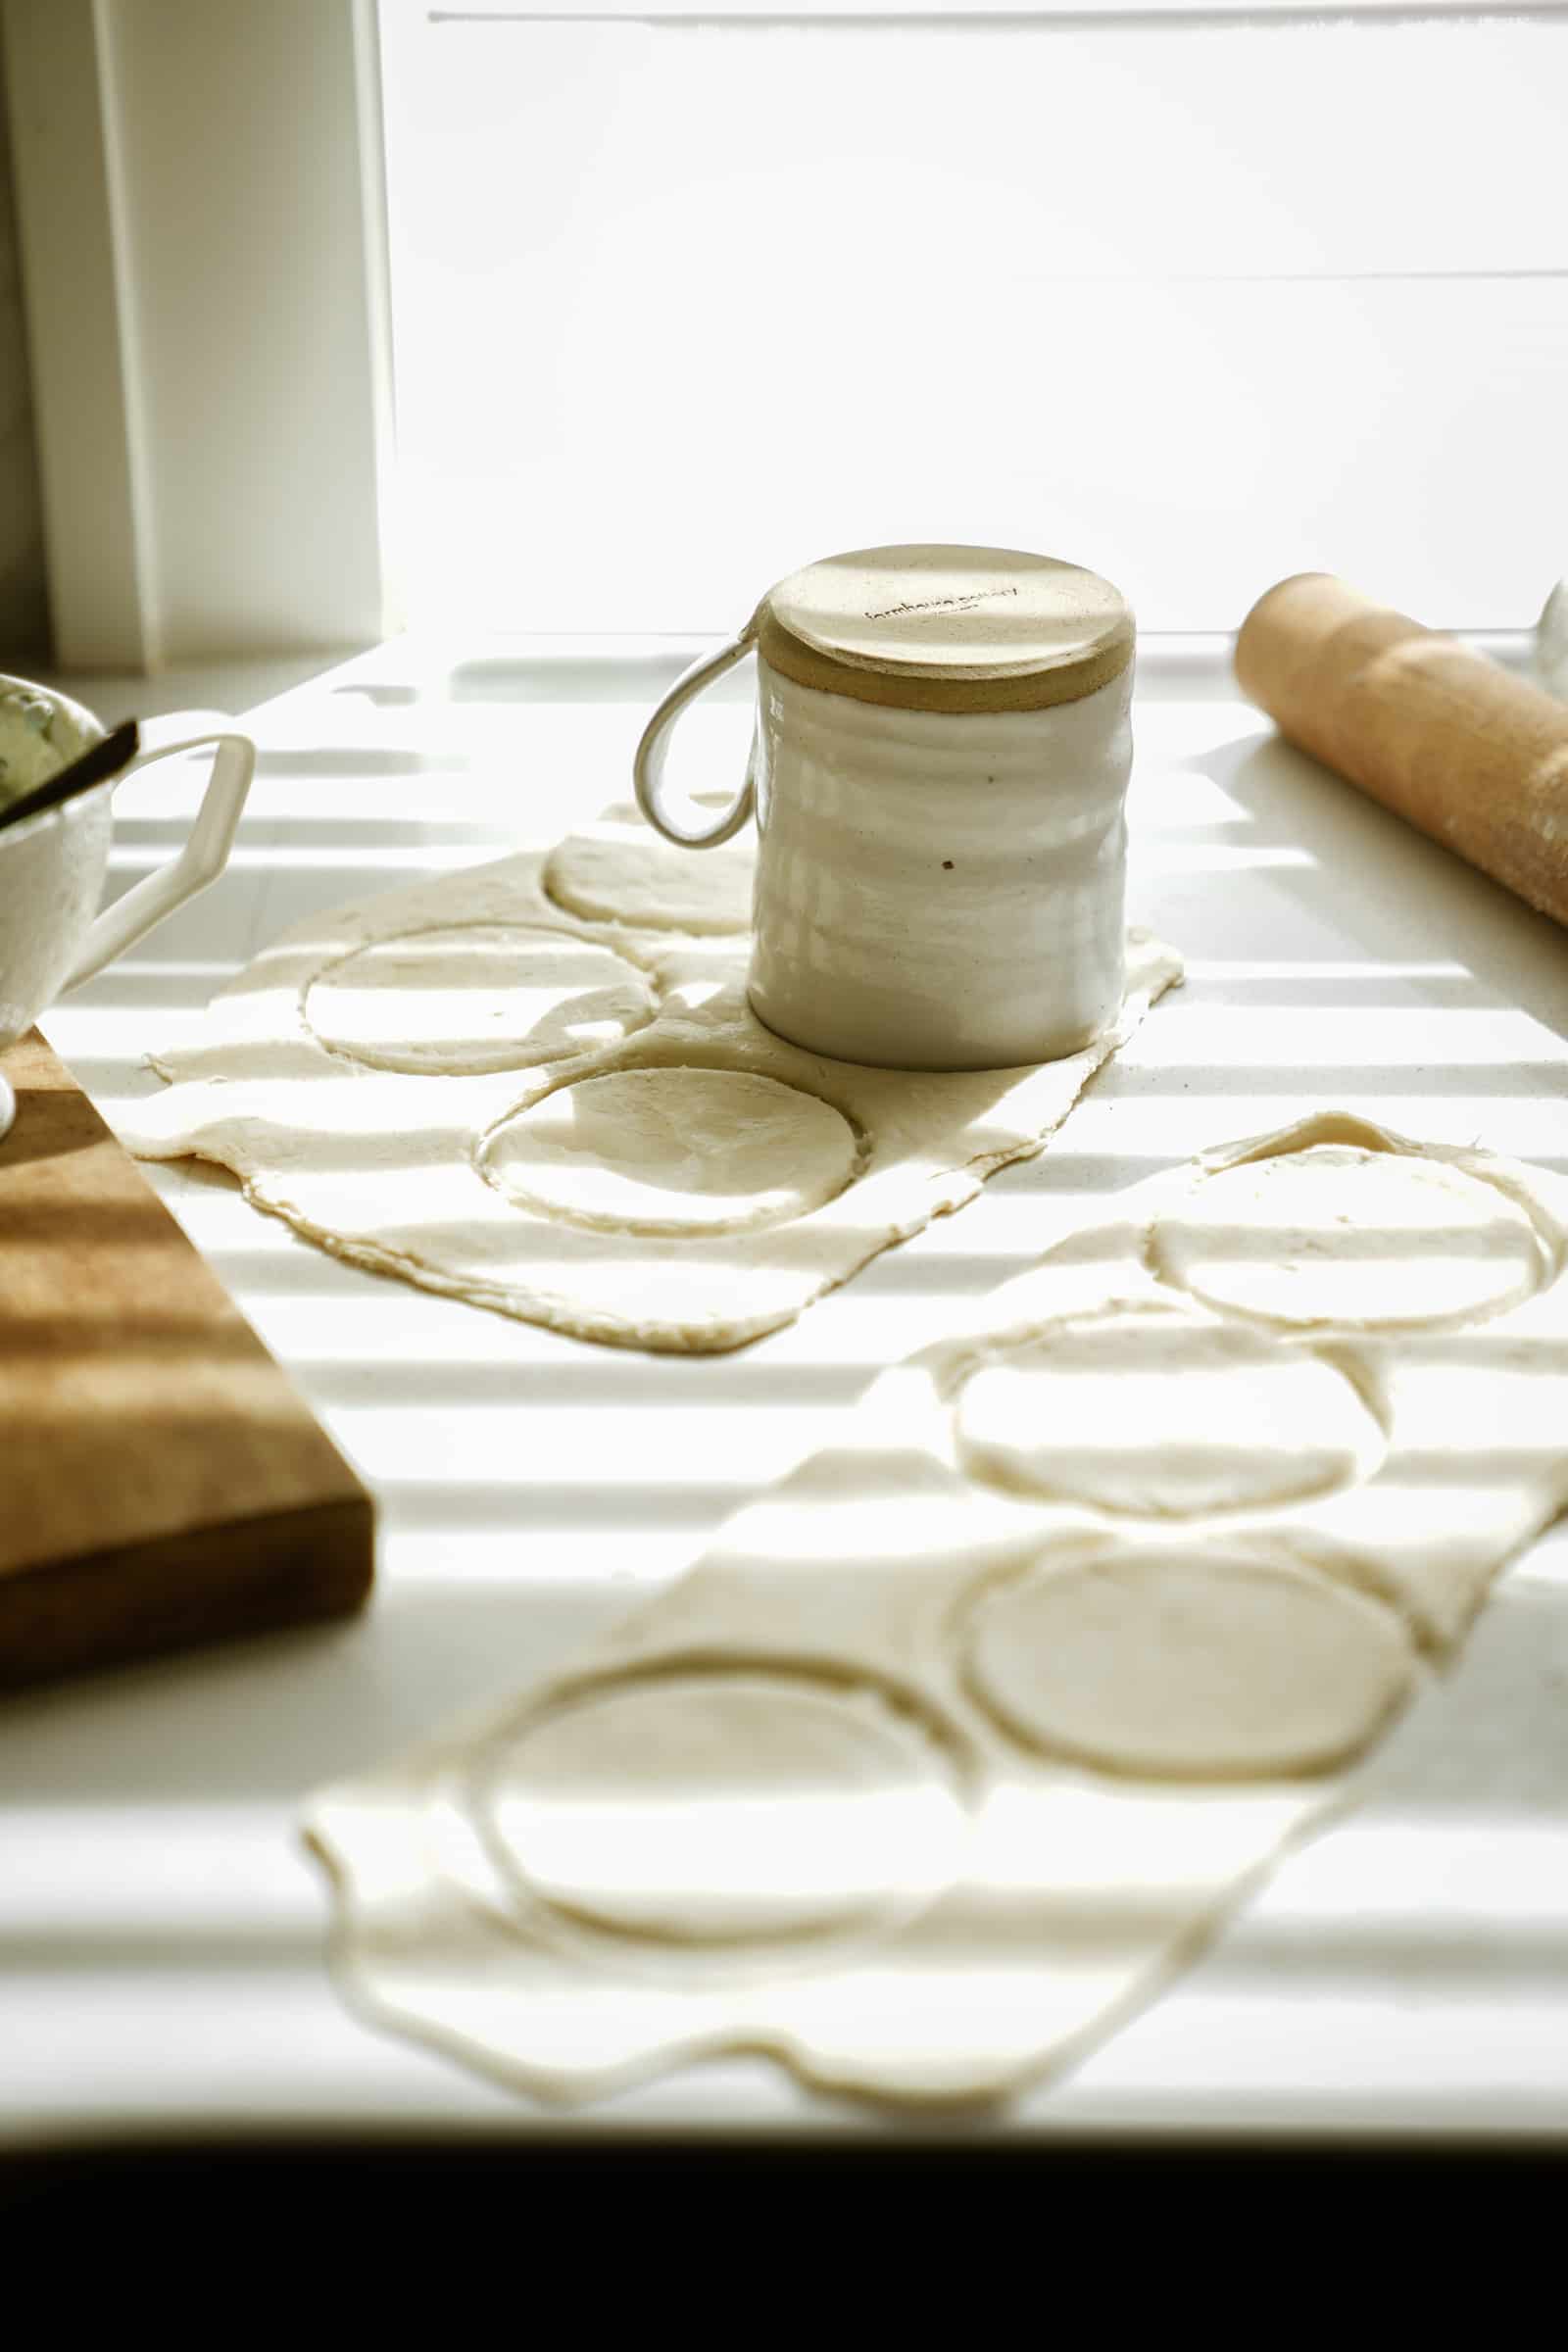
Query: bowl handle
[{"x": 206, "y": 845}]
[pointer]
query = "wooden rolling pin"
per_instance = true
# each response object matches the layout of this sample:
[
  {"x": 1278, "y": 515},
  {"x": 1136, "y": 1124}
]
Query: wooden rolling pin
[{"x": 1470, "y": 754}]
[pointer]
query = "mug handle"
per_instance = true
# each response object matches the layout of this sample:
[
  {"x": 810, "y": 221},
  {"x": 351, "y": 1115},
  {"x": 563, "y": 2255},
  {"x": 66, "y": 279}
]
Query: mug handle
[
  {"x": 206, "y": 845},
  {"x": 688, "y": 828}
]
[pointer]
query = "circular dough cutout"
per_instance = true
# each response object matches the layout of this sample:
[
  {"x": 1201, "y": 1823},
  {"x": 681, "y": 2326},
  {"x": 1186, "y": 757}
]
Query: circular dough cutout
[
  {"x": 675, "y": 1151},
  {"x": 1186, "y": 1665},
  {"x": 472, "y": 997},
  {"x": 622, "y": 871},
  {"x": 727, "y": 1808},
  {"x": 1163, "y": 1415},
  {"x": 1340, "y": 1235}
]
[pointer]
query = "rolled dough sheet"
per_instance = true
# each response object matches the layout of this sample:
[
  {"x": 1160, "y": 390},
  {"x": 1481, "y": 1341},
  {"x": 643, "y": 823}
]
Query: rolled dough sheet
[
  {"x": 477, "y": 1084},
  {"x": 960, "y": 1740}
]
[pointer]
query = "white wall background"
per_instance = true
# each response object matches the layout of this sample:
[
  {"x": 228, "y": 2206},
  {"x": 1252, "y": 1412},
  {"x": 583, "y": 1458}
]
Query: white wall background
[
  {"x": 1200, "y": 301},
  {"x": 23, "y": 611}
]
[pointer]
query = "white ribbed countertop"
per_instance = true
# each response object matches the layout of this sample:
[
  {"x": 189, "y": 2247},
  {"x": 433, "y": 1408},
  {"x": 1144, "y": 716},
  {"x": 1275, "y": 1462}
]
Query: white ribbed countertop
[{"x": 160, "y": 1931}]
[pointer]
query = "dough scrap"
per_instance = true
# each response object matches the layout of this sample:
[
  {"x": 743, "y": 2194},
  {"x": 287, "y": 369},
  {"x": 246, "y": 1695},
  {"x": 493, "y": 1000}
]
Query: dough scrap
[
  {"x": 1341, "y": 1234},
  {"x": 673, "y": 1150},
  {"x": 1163, "y": 1415},
  {"x": 475, "y": 997},
  {"x": 571, "y": 1907},
  {"x": 1187, "y": 1665},
  {"x": 400, "y": 1141}
]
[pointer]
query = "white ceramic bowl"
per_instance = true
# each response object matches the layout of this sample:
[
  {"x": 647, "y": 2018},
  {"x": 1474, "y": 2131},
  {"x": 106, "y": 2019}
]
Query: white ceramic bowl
[{"x": 52, "y": 865}]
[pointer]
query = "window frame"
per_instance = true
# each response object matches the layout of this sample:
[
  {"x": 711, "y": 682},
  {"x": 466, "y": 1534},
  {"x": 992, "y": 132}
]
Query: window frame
[
  {"x": 138, "y": 578},
  {"x": 118, "y": 109}
]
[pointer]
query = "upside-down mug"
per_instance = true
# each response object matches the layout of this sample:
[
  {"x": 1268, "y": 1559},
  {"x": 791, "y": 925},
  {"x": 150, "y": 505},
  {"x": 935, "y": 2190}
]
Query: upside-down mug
[
  {"x": 52, "y": 865},
  {"x": 939, "y": 767}
]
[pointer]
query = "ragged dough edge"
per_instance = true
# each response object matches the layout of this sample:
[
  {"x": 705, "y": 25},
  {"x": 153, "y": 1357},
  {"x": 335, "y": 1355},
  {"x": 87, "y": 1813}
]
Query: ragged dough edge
[
  {"x": 570, "y": 1316},
  {"x": 328, "y": 1836},
  {"x": 888, "y": 1423},
  {"x": 959, "y": 1187},
  {"x": 903, "y": 1199},
  {"x": 338, "y": 1826}
]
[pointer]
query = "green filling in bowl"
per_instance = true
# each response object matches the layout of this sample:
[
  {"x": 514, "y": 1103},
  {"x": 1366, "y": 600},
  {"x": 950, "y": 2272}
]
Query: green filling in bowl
[{"x": 36, "y": 739}]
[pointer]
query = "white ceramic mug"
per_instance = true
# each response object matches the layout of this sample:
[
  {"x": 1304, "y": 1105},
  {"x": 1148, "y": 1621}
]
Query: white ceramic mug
[
  {"x": 941, "y": 754},
  {"x": 52, "y": 865}
]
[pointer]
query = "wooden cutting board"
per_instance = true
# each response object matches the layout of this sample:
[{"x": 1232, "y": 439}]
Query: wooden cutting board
[{"x": 163, "y": 1482}]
